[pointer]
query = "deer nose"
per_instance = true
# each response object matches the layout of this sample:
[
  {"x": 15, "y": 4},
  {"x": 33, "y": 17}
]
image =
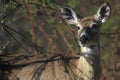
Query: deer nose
[{"x": 83, "y": 39}]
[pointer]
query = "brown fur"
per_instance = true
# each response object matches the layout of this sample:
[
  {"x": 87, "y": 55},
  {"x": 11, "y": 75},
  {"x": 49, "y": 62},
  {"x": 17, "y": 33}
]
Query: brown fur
[
  {"x": 54, "y": 68},
  {"x": 85, "y": 22}
]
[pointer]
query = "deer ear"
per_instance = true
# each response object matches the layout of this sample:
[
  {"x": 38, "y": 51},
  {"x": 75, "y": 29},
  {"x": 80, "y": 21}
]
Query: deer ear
[
  {"x": 69, "y": 15},
  {"x": 103, "y": 12}
]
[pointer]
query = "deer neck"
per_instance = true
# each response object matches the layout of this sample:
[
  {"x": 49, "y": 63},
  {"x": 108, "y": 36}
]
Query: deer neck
[
  {"x": 89, "y": 63},
  {"x": 91, "y": 51}
]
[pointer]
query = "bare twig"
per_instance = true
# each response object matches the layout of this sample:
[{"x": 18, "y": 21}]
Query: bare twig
[
  {"x": 28, "y": 41},
  {"x": 66, "y": 41}
]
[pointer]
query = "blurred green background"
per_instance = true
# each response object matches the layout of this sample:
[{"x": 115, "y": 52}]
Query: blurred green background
[{"x": 25, "y": 23}]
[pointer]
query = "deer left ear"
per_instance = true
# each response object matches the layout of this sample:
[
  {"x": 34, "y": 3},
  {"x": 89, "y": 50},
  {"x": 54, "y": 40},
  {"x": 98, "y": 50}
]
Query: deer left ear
[
  {"x": 103, "y": 12},
  {"x": 70, "y": 15}
]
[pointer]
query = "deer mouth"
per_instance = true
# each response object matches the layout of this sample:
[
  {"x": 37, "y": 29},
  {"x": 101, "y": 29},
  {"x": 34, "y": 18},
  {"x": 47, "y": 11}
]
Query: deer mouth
[{"x": 87, "y": 43}]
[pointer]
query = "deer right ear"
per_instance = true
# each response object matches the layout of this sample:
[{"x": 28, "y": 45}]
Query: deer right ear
[
  {"x": 103, "y": 12},
  {"x": 69, "y": 15}
]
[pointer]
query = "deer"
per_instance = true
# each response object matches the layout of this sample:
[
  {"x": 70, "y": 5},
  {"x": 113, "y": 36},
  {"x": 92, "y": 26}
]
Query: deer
[
  {"x": 85, "y": 67},
  {"x": 88, "y": 39}
]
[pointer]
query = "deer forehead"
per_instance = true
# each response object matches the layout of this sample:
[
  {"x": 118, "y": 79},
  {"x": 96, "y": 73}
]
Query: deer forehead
[{"x": 85, "y": 22}]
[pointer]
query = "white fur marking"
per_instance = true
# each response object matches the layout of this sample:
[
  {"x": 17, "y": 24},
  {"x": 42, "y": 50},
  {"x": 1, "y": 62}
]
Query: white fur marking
[{"x": 89, "y": 52}]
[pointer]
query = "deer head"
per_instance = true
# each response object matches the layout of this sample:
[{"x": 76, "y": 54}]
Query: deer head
[{"x": 88, "y": 27}]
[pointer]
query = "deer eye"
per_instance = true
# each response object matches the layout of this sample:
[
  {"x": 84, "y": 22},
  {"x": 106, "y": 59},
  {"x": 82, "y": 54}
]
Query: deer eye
[
  {"x": 78, "y": 27},
  {"x": 94, "y": 26}
]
